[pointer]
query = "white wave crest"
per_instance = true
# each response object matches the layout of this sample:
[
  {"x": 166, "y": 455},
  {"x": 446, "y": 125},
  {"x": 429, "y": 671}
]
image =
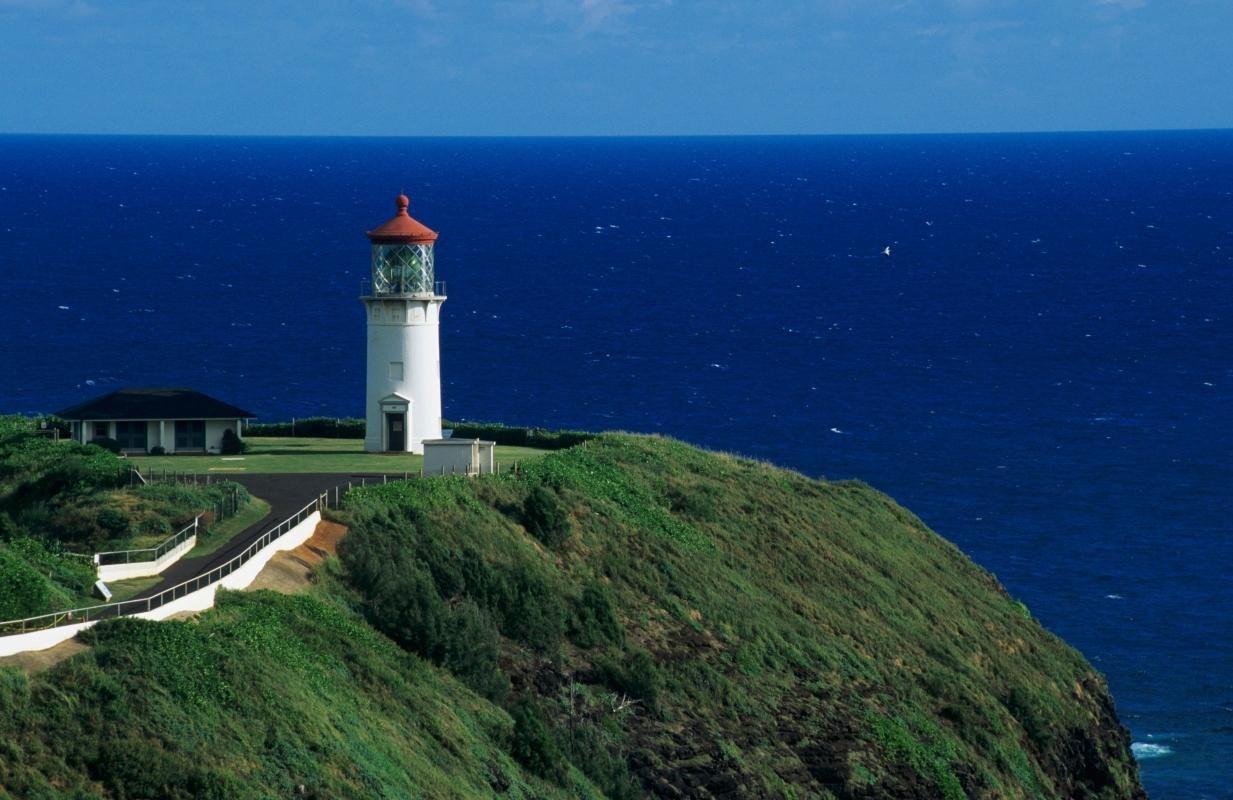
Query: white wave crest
[{"x": 1145, "y": 750}]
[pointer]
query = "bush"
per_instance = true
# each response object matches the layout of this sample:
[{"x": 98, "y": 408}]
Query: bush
[
  {"x": 541, "y": 438},
  {"x": 233, "y": 445},
  {"x": 107, "y": 443},
  {"x": 470, "y": 648},
  {"x": 595, "y": 620},
  {"x": 636, "y": 675},
  {"x": 23, "y": 591},
  {"x": 545, "y": 517},
  {"x": 114, "y": 522},
  {"x": 403, "y": 601},
  {"x": 158, "y": 450},
  {"x": 316, "y": 427},
  {"x": 74, "y": 575},
  {"x": 534, "y": 746}
]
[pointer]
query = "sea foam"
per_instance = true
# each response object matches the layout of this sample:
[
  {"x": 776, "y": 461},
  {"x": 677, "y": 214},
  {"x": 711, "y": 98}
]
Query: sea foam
[{"x": 1145, "y": 750}]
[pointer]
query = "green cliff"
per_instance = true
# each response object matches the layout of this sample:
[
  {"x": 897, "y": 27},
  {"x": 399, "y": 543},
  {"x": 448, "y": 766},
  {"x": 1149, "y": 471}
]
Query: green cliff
[{"x": 627, "y": 617}]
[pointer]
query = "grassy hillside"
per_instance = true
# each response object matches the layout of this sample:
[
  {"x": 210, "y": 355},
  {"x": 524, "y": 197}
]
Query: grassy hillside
[
  {"x": 629, "y": 617},
  {"x": 685, "y": 623},
  {"x": 265, "y": 696},
  {"x": 61, "y": 502}
]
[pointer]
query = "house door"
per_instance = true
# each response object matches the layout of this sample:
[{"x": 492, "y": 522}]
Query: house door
[
  {"x": 131, "y": 435},
  {"x": 394, "y": 433}
]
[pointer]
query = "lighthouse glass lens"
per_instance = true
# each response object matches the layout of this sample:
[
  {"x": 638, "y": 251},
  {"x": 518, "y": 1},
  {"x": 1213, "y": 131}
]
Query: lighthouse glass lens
[{"x": 402, "y": 269}]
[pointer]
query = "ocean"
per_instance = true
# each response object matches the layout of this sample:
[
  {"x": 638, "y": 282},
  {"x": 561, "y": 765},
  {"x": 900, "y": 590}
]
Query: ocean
[{"x": 1040, "y": 368}]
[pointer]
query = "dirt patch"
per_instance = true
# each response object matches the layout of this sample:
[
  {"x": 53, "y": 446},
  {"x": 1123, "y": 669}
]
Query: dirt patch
[
  {"x": 39, "y": 660},
  {"x": 181, "y": 615},
  {"x": 291, "y": 572}
]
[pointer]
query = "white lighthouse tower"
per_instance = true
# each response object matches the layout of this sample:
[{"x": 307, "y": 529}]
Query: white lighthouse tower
[{"x": 403, "y": 305}]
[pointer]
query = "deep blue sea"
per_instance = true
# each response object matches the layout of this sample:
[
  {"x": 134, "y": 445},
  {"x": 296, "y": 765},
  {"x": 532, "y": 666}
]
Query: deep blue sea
[{"x": 1042, "y": 369}]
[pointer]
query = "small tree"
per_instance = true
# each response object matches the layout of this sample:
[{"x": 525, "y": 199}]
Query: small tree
[
  {"x": 107, "y": 443},
  {"x": 233, "y": 445},
  {"x": 545, "y": 517},
  {"x": 534, "y": 746}
]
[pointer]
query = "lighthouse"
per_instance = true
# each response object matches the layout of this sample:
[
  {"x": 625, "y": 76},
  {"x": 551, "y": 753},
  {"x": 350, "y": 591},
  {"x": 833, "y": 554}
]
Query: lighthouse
[{"x": 403, "y": 307}]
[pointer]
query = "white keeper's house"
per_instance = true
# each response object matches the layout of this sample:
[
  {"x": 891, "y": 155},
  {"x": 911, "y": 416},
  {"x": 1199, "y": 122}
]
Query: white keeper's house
[{"x": 178, "y": 420}]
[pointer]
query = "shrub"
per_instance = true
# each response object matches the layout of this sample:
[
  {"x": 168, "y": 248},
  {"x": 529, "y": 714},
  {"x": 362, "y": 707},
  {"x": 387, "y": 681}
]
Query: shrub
[
  {"x": 637, "y": 675},
  {"x": 158, "y": 450},
  {"x": 76, "y": 575},
  {"x": 316, "y": 427},
  {"x": 545, "y": 517},
  {"x": 595, "y": 746},
  {"x": 56, "y": 423},
  {"x": 470, "y": 648},
  {"x": 534, "y": 746},
  {"x": 233, "y": 445},
  {"x": 541, "y": 438},
  {"x": 76, "y": 522},
  {"x": 107, "y": 443},
  {"x": 1027, "y": 708},
  {"x": 114, "y": 522},
  {"x": 23, "y": 591},
  {"x": 403, "y": 600},
  {"x": 595, "y": 620}
]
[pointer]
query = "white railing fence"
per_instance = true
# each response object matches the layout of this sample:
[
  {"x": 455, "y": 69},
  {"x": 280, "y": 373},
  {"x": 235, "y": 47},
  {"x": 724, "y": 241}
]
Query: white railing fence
[
  {"x": 146, "y": 604},
  {"x": 149, "y": 553},
  {"x": 123, "y": 608}
]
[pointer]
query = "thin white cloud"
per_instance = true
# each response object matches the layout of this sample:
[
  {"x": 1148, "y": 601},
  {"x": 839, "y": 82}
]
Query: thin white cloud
[
  {"x": 600, "y": 14},
  {"x": 427, "y": 9}
]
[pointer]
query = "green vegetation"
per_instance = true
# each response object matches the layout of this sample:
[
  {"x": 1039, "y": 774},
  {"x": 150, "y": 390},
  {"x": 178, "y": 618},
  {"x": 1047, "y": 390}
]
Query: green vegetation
[
  {"x": 61, "y": 502},
  {"x": 627, "y": 617},
  {"x": 218, "y": 534},
  {"x": 540, "y": 438},
  {"x": 232, "y": 445},
  {"x": 313, "y": 427},
  {"x": 123, "y": 590},
  {"x": 353, "y": 428},
  {"x": 666, "y": 617},
  {"x": 259, "y": 697},
  {"x": 301, "y": 454}
]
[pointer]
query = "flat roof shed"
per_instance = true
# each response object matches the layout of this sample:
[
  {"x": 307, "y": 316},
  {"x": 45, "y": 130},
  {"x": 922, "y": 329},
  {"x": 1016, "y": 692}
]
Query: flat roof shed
[{"x": 458, "y": 457}]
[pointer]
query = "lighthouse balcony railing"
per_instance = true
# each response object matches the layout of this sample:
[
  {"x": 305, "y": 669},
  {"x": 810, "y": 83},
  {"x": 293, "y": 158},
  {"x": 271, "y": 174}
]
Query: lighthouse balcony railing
[{"x": 366, "y": 290}]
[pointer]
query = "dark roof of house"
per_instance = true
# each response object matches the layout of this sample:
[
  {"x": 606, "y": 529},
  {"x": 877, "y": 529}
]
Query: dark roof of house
[{"x": 154, "y": 404}]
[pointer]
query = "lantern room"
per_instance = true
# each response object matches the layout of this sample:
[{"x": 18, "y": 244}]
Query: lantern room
[{"x": 402, "y": 255}]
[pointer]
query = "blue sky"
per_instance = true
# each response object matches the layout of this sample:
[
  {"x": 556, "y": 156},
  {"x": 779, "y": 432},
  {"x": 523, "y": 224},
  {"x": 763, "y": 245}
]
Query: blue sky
[{"x": 612, "y": 67}]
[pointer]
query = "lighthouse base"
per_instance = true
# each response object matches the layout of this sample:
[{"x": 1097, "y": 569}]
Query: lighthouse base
[{"x": 390, "y": 427}]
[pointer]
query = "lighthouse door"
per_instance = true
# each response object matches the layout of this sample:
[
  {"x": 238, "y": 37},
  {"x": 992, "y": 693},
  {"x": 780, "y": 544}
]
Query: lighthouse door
[{"x": 394, "y": 432}]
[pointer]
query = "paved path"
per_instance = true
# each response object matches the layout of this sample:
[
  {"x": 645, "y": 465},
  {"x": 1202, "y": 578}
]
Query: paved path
[{"x": 286, "y": 494}]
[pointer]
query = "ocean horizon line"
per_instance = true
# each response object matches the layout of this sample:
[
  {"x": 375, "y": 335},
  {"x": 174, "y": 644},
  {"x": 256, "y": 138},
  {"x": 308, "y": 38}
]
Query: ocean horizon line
[{"x": 623, "y": 136}]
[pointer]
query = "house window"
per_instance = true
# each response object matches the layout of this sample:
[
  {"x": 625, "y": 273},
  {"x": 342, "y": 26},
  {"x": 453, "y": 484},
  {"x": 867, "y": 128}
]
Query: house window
[
  {"x": 131, "y": 435},
  {"x": 396, "y": 370},
  {"x": 190, "y": 434},
  {"x": 100, "y": 430}
]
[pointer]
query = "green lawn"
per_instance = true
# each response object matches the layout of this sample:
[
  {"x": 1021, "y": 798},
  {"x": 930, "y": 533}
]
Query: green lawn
[
  {"x": 287, "y": 454},
  {"x": 123, "y": 590}
]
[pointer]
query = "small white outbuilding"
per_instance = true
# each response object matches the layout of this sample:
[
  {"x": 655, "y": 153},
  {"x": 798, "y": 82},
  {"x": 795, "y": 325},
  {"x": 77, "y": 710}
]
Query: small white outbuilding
[{"x": 458, "y": 457}]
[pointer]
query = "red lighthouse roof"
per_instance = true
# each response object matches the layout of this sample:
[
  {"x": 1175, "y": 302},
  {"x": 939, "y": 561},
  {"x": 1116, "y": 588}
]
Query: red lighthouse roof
[{"x": 402, "y": 228}]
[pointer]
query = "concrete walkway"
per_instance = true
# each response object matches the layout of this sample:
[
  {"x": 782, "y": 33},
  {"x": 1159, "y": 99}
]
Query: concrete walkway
[{"x": 286, "y": 494}]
